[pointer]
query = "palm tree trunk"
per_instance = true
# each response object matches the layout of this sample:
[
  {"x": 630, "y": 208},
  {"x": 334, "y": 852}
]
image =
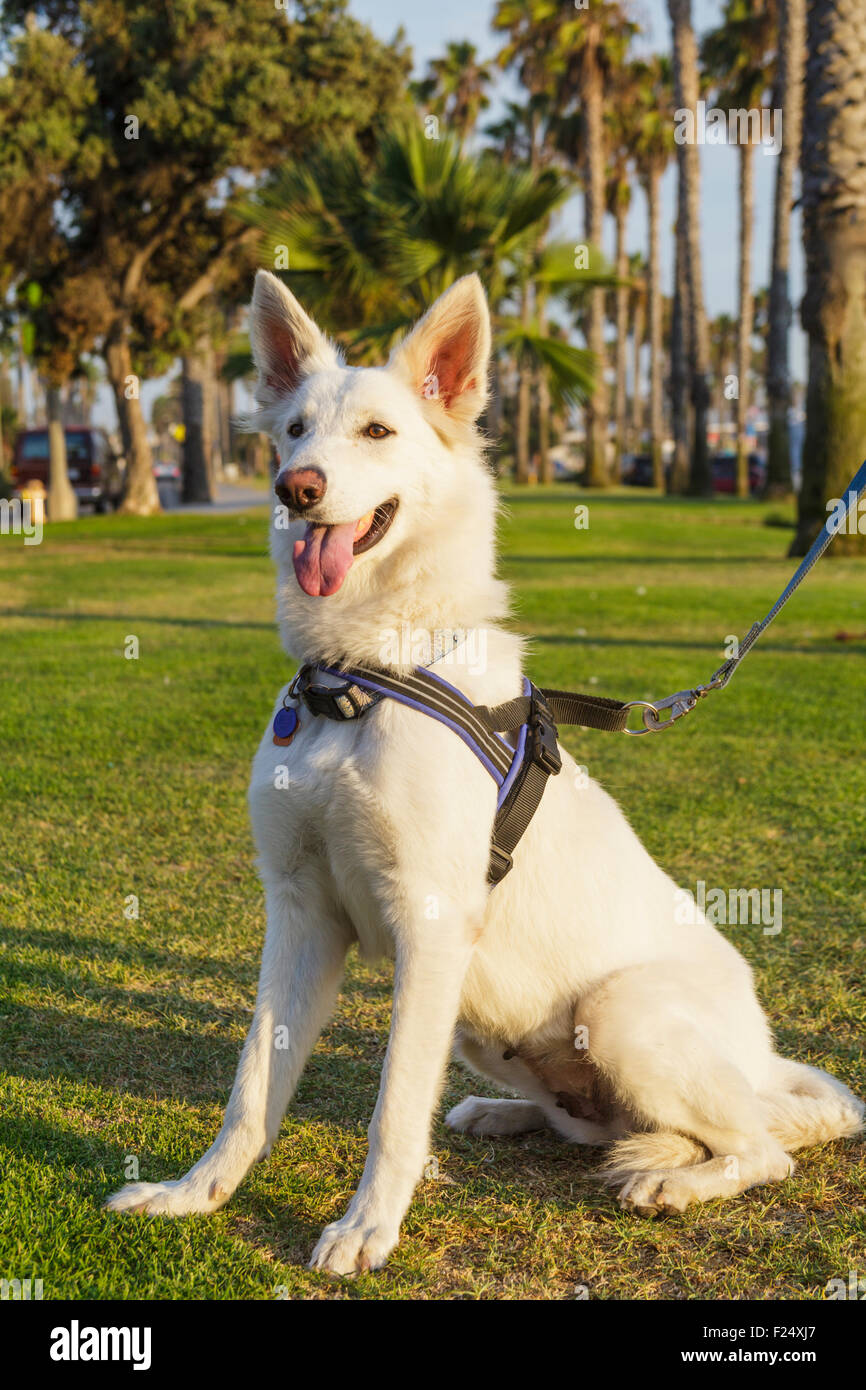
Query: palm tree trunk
[
  {"x": 524, "y": 369},
  {"x": 494, "y": 412},
  {"x": 198, "y": 442},
  {"x": 21, "y": 392},
  {"x": 792, "y": 45},
  {"x": 542, "y": 397},
  {"x": 140, "y": 496},
  {"x": 655, "y": 330},
  {"x": 685, "y": 64},
  {"x": 746, "y": 313},
  {"x": 622, "y": 298},
  {"x": 595, "y": 415},
  {"x": 225, "y": 393},
  {"x": 62, "y": 502},
  {"x": 637, "y": 400},
  {"x": 679, "y": 354},
  {"x": 524, "y": 395},
  {"x": 834, "y": 233}
]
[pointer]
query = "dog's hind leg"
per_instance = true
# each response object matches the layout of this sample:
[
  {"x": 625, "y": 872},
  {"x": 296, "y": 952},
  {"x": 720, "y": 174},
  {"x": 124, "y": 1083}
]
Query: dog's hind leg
[
  {"x": 478, "y": 1114},
  {"x": 539, "y": 1109},
  {"x": 483, "y": 1115},
  {"x": 666, "y": 1059},
  {"x": 302, "y": 964}
]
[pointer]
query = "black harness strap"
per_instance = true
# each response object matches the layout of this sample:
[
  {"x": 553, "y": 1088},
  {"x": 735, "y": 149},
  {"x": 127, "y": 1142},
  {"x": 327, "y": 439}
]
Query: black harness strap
[
  {"x": 520, "y": 774},
  {"x": 541, "y": 759},
  {"x": 589, "y": 711}
]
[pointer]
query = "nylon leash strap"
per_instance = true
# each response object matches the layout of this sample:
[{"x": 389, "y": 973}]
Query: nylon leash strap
[{"x": 684, "y": 701}]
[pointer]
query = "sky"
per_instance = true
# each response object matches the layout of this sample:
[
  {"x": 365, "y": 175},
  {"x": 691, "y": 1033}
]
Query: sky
[{"x": 429, "y": 27}]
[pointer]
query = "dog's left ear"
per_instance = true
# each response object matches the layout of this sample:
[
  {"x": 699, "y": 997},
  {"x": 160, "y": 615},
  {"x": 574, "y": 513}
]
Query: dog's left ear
[
  {"x": 446, "y": 354},
  {"x": 286, "y": 344}
]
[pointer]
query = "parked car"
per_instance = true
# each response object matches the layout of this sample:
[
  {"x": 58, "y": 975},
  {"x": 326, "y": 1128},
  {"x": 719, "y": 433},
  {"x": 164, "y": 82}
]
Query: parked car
[
  {"x": 724, "y": 471},
  {"x": 637, "y": 470},
  {"x": 94, "y": 469},
  {"x": 166, "y": 472}
]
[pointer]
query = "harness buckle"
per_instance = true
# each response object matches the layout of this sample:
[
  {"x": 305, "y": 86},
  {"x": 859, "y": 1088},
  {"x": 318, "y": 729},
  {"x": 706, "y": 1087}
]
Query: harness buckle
[
  {"x": 501, "y": 863},
  {"x": 679, "y": 705},
  {"x": 341, "y": 702},
  {"x": 545, "y": 749}
]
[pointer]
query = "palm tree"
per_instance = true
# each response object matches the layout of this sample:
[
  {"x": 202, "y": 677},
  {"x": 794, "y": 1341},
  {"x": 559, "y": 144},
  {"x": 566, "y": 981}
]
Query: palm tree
[
  {"x": 527, "y": 23},
  {"x": 654, "y": 148},
  {"x": 637, "y": 305},
  {"x": 598, "y": 46},
  {"x": 619, "y": 139},
  {"x": 454, "y": 87},
  {"x": 511, "y": 135},
  {"x": 789, "y": 100},
  {"x": 834, "y": 233},
  {"x": 735, "y": 57},
  {"x": 685, "y": 68},
  {"x": 531, "y": 28},
  {"x": 571, "y": 55},
  {"x": 723, "y": 343},
  {"x": 371, "y": 247},
  {"x": 680, "y": 358}
]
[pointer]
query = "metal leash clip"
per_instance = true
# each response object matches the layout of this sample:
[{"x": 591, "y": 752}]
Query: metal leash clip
[{"x": 680, "y": 704}]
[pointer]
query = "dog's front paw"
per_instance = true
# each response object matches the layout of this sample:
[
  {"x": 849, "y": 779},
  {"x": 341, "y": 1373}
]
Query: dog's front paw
[
  {"x": 179, "y": 1198},
  {"x": 352, "y": 1246}
]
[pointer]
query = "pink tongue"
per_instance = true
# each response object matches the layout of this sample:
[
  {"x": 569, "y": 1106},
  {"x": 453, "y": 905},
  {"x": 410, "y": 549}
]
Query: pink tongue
[{"x": 323, "y": 557}]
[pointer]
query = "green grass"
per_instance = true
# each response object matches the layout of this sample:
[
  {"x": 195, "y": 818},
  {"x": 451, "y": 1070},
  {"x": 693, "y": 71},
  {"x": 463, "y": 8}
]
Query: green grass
[{"x": 119, "y": 1037}]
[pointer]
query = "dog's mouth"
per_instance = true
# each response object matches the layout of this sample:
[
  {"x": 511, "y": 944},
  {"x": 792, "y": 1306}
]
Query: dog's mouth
[{"x": 323, "y": 558}]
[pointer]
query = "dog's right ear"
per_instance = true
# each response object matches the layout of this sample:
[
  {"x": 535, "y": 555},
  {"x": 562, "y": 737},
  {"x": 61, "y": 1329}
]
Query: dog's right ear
[
  {"x": 444, "y": 358},
  {"x": 286, "y": 343}
]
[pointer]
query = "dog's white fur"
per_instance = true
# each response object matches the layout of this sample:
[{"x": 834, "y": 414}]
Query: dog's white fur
[{"x": 383, "y": 839}]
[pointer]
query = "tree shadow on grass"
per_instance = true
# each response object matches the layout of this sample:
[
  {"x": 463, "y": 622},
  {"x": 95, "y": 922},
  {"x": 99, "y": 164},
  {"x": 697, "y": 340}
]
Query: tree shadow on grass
[
  {"x": 64, "y": 615},
  {"x": 615, "y": 557},
  {"x": 90, "y": 949},
  {"x": 89, "y": 1168},
  {"x": 663, "y": 643}
]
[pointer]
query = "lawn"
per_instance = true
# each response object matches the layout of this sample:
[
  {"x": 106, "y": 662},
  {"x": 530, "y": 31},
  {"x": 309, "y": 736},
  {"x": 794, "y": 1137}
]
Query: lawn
[{"x": 119, "y": 1034}]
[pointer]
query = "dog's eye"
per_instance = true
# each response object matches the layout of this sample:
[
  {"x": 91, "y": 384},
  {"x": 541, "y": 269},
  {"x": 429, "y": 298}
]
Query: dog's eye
[
  {"x": 376, "y": 431},
  {"x": 296, "y": 428}
]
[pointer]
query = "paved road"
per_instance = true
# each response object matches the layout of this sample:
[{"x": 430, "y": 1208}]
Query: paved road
[{"x": 230, "y": 497}]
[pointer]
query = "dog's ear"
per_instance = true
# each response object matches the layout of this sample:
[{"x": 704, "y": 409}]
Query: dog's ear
[
  {"x": 445, "y": 356},
  {"x": 286, "y": 343}
]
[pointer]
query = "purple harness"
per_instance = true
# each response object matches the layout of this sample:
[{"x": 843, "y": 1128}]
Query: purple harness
[
  {"x": 520, "y": 773},
  {"x": 458, "y": 714}
]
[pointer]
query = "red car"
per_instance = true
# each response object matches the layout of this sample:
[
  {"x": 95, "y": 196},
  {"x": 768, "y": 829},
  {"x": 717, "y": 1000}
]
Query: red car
[
  {"x": 94, "y": 468},
  {"x": 724, "y": 468}
]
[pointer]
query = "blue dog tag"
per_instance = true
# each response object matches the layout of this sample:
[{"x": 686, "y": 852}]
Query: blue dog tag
[{"x": 285, "y": 724}]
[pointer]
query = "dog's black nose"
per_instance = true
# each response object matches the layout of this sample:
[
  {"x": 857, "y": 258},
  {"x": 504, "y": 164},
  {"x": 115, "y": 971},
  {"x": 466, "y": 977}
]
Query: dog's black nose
[{"x": 300, "y": 488}]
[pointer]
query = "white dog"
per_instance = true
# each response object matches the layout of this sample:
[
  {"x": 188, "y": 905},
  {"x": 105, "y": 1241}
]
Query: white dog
[{"x": 383, "y": 839}]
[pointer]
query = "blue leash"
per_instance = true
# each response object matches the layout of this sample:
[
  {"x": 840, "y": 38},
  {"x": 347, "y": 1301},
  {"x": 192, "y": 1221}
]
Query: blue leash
[{"x": 685, "y": 700}]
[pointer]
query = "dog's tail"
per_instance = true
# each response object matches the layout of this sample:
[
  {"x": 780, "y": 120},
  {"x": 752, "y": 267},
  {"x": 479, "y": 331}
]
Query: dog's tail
[
  {"x": 811, "y": 1107},
  {"x": 639, "y": 1153}
]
